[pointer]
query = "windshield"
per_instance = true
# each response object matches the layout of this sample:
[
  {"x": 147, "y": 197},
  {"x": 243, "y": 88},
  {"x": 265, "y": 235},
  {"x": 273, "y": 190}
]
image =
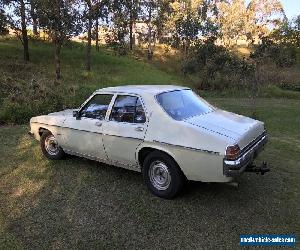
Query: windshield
[{"x": 182, "y": 104}]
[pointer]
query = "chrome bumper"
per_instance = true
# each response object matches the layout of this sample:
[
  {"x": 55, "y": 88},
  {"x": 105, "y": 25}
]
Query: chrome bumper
[{"x": 233, "y": 168}]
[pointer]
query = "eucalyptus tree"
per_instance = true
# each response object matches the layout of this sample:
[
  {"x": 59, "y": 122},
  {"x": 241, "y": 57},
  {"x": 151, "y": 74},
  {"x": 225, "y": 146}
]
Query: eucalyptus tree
[
  {"x": 33, "y": 7},
  {"x": 93, "y": 10},
  {"x": 263, "y": 16},
  {"x": 62, "y": 20},
  {"x": 4, "y": 21},
  {"x": 19, "y": 22},
  {"x": 193, "y": 20}
]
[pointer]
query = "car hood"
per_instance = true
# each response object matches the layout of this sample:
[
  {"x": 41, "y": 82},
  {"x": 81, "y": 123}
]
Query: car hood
[
  {"x": 66, "y": 112},
  {"x": 239, "y": 128}
]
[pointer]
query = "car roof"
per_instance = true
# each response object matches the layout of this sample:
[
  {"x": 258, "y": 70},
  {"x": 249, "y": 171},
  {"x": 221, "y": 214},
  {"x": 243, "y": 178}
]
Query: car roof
[{"x": 142, "y": 89}]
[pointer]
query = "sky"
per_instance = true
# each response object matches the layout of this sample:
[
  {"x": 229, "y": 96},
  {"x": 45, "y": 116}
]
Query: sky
[{"x": 291, "y": 7}]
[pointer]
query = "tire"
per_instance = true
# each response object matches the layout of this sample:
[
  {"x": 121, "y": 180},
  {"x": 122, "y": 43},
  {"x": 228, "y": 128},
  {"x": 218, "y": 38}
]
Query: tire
[
  {"x": 162, "y": 175},
  {"x": 50, "y": 147}
]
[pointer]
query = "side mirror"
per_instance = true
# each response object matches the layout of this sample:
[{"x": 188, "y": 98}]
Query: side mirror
[{"x": 76, "y": 114}]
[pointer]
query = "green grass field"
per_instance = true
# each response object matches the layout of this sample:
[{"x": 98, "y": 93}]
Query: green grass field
[{"x": 77, "y": 203}]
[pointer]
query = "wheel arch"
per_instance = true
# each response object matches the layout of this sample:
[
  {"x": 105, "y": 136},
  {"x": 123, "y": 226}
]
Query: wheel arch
[
  {"x": 145, "y": 150},
  {"x": 42, "y": 129}
]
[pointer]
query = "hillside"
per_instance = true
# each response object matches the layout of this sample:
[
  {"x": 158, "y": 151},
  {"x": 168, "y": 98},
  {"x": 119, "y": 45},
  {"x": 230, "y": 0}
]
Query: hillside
[
  {"x": 33, "y": 83},
  {"x": 29, "y": 89}
]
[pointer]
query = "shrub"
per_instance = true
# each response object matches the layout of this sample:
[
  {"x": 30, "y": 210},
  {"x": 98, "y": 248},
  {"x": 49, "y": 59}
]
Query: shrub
[
  {"x": 282, "y": 54},
  {"x": 216, "y": 66}
]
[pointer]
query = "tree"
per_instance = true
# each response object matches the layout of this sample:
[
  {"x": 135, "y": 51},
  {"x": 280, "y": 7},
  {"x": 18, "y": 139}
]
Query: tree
[
  {"x": 150, "y": 11},
  {"x": 193, "y": 20},
  {"x": 61, "y": 19},
  {"x": 119, "y": 20},
  {"x": 33, "y": 4},
  {"x": 100, "y": 12},
  {"x": 4, "y": 22},
  {"x": 20, "y": 25},
  {"x": 262, "y": 17},
  {"x": 89, "y": 14},
  {"x": 232, "y": 19},
  {"x": 164, "y": 10},
  {"x": 134, "y": 8},
  {"x": 288, "y": 33}
]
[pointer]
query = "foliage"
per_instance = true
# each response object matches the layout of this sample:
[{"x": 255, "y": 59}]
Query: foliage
[
  {"x": 191, "y": 19},
  {"x": 287, "y": 33},
  {"x": 29, "y": 89},
  {"x": 217, "y": 66},
  {"x": 283, "y": 55},
  {"x": 263, "y": 16},
  {"x": 3, "y": 22},
  {"x": 62, "y": 20}
]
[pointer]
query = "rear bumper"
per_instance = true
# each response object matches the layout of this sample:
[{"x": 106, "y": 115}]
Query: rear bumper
[{"x": 233, "y": 168}]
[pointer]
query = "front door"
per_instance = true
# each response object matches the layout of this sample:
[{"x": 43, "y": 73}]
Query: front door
[
  {"x": 85, "y": 135},
  {"x": 124, "y": 130}
]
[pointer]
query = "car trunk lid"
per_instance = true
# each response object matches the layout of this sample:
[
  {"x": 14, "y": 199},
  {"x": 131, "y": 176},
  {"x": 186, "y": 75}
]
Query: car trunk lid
[{"x": 243, "y": 130}]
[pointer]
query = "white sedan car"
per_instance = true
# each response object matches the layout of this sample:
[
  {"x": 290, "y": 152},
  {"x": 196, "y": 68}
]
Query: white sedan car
[{"x": 166, "y": 132}]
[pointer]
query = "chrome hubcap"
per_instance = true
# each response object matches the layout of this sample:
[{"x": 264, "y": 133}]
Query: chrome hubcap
[
  {"x": 51, "y": 145},
  {"x": 159, "y": 175}
]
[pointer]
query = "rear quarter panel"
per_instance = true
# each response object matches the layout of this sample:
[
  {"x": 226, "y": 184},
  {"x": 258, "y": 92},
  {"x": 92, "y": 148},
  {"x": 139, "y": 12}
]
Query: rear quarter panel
[{"x": 199, "y": 152}]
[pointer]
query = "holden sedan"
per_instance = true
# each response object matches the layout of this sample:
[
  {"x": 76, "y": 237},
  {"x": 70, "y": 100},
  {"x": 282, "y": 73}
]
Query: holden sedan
[{"x": 168, "y": 133}]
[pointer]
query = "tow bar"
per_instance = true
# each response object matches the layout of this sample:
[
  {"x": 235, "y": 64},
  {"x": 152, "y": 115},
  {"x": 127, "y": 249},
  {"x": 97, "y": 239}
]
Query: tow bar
[{"x": 262, "y": 169}]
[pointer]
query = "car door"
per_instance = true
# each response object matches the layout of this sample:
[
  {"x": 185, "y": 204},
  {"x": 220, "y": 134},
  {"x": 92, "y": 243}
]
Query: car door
[
  {"x": 125, "y": 129},
  {"x": 84, "y": 134}
]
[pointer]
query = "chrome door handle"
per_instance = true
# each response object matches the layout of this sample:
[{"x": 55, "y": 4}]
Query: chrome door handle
[
  {"x": 140, "y": 129},
  {"x": 99, "y": 124}
]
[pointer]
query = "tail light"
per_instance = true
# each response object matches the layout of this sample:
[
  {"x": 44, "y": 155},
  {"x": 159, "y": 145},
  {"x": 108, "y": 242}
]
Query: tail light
[{"x": 232, "y": 152}]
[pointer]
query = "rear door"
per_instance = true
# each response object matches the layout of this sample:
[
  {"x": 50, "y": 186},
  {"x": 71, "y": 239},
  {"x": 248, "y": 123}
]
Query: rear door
[{"x": 125, "y": 129}]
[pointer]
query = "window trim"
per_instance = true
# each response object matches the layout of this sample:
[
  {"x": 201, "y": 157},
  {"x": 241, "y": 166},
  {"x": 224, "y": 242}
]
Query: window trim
[
  {"x": 127, "y": 94},
  {"x": 90, "y": 98}
]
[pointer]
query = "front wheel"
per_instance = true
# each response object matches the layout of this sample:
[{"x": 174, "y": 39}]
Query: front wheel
[
  {"x": 162, "y": 175},
  {"x": 50, "y": 147}
]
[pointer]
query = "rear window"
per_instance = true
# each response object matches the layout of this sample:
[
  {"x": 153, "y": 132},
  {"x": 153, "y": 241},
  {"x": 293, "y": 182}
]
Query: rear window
[{"x": 183, "y": 104}]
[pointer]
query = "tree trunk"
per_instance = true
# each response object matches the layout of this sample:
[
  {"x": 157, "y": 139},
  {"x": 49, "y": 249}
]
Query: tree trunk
[
  {"x": 97, "y": 33},
  {"x": 57, "y": 59},
  {"x": 150, "y": 52},
  {"x": 24, "y": 31},
  {"x": 34, "y": 19},
  {"x": 131, "y": 29},
  {"x": 89, "y": 43}
]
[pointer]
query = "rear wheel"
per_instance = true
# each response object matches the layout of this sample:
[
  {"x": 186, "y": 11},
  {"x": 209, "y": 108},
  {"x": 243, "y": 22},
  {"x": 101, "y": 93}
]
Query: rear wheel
[
  {"x": 162, "y": 175},
  {"x": 50, "y": 147}
]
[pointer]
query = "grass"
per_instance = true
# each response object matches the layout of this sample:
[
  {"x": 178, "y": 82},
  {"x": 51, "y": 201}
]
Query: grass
[
  {"x": 77, "y": 203},
  {"x": 29, "y": 89}
]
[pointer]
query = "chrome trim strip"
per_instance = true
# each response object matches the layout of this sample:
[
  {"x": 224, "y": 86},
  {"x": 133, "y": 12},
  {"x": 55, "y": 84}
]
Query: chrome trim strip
[
  {"x": 128, "y": 137},
  {"x": 253, "y": 142},
  {"x": 69, "y": 128},
  {"x": 190, "y": 148}
]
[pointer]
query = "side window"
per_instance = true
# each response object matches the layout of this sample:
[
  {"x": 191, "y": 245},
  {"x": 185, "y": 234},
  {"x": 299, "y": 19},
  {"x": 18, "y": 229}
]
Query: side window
[
  {"x": 128, "y": 109},
  {"x": 96, "y": 108}
]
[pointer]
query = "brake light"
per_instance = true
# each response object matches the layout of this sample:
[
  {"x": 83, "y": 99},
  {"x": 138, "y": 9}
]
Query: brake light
[{"x": 232, "y": 152}]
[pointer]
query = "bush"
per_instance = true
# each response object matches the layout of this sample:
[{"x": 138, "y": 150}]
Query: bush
[
  {"x": 283, "y": 55},
  {"x": 216, "y": 66}
]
